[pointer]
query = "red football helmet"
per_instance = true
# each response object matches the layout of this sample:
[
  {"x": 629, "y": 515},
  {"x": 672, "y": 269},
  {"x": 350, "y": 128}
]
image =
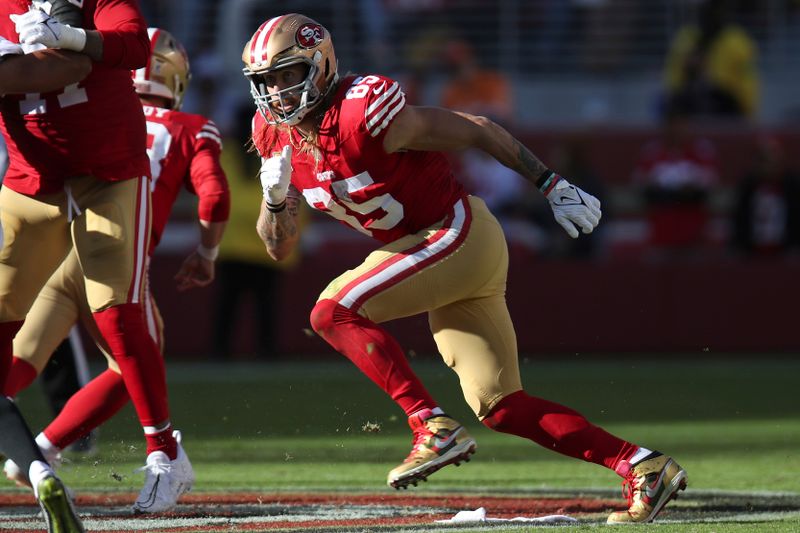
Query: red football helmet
[{"x": 283, "y": 41}]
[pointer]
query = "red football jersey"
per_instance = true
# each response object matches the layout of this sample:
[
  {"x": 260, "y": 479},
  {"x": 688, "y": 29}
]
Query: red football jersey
[
  {"x": 386, "y": 196},
  {"x": 184, "y": 151},
  {"x": 692, "y": 164},
  {"x": 93, "y": 127}
]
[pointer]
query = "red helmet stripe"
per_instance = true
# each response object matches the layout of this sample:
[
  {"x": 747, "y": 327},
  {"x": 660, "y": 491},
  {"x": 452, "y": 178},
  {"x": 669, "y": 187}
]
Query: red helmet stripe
[
  {"x": 153, "y": 34},
  {"x": 258, "y": 47}
]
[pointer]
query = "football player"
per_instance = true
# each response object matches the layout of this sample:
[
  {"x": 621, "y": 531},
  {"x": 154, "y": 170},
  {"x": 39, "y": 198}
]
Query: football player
[
  {"x": 79, "y": 178},
  {"x": 355, "y": 150},
  {"x": 184, "y": 151}
]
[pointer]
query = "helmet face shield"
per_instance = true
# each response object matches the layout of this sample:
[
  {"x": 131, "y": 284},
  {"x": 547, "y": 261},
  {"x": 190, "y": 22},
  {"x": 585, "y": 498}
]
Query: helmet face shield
[
  {"x": 290, "y": 104},
  {"x": 286, "y": 41}
]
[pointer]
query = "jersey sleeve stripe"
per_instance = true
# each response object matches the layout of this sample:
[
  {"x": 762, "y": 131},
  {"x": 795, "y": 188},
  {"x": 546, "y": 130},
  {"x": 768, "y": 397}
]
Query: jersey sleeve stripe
[
  {"x": 382, "y": 98},
  {"x": 207, "y": 135},
  {"x": 392, "y": 112},
  {"x": 385, "y": 107},
  {"x": 211, "y": 127}
]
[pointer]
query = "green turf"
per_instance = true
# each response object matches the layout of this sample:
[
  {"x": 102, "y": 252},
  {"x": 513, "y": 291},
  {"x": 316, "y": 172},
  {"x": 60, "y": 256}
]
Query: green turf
[{"x": 732, "y": 423}]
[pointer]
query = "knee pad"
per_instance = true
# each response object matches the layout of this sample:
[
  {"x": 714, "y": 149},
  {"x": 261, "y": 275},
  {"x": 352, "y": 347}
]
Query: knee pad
[
  {"x": 322, "y": 316},
  {"x": 329, "y": 313}
]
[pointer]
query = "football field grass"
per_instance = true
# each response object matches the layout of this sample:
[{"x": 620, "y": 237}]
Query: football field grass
[{"x": 291, "y": 439}]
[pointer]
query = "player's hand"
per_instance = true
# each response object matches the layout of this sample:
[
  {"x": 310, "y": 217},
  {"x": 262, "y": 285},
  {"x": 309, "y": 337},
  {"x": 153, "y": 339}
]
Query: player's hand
[
  {"x": 37, "y": 27},
  {"x": 276, "y": 173},
  {"x": 65, "y": 11},
  {"x": 573, "y": 208},
  {"x": 196, "y": 271}
]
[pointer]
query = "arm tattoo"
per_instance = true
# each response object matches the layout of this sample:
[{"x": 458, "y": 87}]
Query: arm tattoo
[
  {"x": 530, "y": 165},
  {"x": 276, "y": 228}
]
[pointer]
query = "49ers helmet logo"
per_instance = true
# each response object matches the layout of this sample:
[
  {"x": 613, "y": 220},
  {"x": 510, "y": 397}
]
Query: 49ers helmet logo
[{"x": 309, "y": 35}]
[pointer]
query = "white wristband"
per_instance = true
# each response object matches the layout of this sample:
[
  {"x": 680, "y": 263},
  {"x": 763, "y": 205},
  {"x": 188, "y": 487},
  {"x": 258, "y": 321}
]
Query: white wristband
[
  {"x": 75, "y": 38},
  {"x": 207, "y": 253}
]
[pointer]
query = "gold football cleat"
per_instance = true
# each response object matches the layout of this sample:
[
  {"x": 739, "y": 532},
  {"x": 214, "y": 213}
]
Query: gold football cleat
[
  {"x": 649, "y": 485},
  {"x": 438, "y": 441}
]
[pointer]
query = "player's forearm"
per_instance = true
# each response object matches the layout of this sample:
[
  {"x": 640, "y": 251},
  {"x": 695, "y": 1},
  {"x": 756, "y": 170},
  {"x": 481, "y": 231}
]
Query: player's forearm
[
  {"x": 211, "y": 233},
  {"x": 43, "y": 71},
  {"x": 500, "y": 144},
  {"x": 430, "y": 128},
  {"x": 278, "y": 230},
  {"x": 94, "y": 45}
]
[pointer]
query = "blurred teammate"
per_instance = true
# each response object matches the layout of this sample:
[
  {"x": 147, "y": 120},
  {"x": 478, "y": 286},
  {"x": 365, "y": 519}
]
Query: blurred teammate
[
  {"x": 184, "y": 151},
  {"x": 355, "y": 150},
  {"x": 79, "y": 179},
  {"x": 42, "y": 70}
]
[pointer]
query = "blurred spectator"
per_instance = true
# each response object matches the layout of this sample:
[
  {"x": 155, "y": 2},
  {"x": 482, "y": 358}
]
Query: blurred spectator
[
  {"x": 711, "y": 66},
  {"x": 675, "y": 175},
  {"x": 472, "y": 88},
  {"x": 766, "y": 217},
  {"x": 246, "y": 275}
]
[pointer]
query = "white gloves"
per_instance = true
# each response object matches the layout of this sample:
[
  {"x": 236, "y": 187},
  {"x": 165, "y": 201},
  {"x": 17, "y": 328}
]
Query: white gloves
[
  {"x": 37, "y": 27},
  {"x": 276, "y": 173},
  {"x": 574, "y": 208}
]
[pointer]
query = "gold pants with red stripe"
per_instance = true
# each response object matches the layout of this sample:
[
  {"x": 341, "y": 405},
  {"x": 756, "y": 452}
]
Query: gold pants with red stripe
[
  {"x": 456, "y": 272},
  {"x": 61, "y": 304},
  {"x": 109, "y": 232}
]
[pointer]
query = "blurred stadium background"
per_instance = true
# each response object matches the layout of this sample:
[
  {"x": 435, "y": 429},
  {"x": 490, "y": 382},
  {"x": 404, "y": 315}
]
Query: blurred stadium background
[{"x": 698, "y": 255}]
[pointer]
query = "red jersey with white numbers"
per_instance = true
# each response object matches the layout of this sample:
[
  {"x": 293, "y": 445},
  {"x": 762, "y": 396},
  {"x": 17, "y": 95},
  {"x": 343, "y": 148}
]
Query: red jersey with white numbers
[
  {"x": 386, "y": 196},
  {"x": 94, "y": 127},
  {"x": 184, "y": 151}
]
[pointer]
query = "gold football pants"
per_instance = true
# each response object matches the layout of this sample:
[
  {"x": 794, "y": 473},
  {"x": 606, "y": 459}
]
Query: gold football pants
[
  {"x": 455, "y": 271},
  {"x": 107, "y": 222}
]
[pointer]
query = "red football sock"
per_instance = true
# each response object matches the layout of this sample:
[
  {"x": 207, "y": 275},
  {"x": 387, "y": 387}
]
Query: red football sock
[
  {"x": 557, "y": 428},
  {"x": 376, "y": 353},
  {"x": 124, "y": 329},
  {"x": 93, "y": 404},
  {"x": 7, "y": 332},
  {"x": 21, "y": 374}
]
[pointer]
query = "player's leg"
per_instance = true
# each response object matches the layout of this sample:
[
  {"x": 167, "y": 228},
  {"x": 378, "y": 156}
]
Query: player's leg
[
  {"x": 48, "y": 323},
  {"x": 393, "y": 282},
  {"x": 476, "y": 338},
  {"x": 111, "y": 238},
  {"x": 63, "y": 370},
  {"x": 36, "y": 239},
  {"x": 103, "y": 396},
  {"x": 49, "y": 320},
  {"x": 97, "y": 401},
  {"x": 412, "y": 275}
]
